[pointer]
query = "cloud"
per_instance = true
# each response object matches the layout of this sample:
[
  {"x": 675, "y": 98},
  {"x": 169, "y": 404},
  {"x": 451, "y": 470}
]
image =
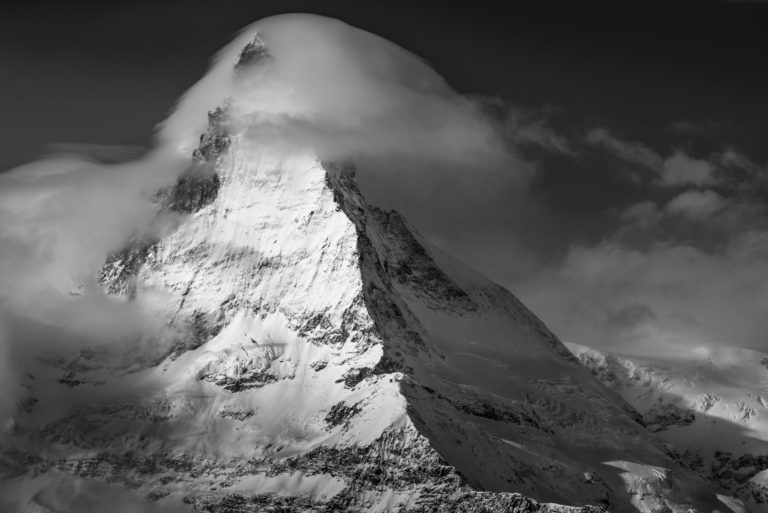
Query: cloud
[
  {"x": 675, "y": 170},
  {"x": 644, "y": 213},
  {"x": 733, "y": 158},
  {"x": 662, "y": 299},
  {"x": 690, "y": 205},
  {"x": 525, "y": 126},
  {"x": 696, "y": 204},
  {"x": 346, "y": 93},
  {"x": 636, "y": 153},
  {"x": 60, "y": 218},
  {"x": 679, "y": 271},
  {"x": 342, "y": 93},
  {"x": 680, "y": 169},
  {"x": 683, "y": 263}
]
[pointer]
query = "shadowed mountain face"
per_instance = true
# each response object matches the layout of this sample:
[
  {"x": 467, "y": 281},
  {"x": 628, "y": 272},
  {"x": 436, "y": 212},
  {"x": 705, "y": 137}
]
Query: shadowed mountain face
[{"x": 321, "y": 356}]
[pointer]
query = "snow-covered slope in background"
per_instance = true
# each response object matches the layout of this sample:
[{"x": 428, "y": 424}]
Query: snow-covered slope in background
[
  {"x": 321, "y": 356},
  {"x": 711, "y": 406}
]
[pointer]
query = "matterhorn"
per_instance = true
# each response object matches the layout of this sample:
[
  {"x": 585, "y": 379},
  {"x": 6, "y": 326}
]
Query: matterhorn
[{"x": 318, "y": 354}]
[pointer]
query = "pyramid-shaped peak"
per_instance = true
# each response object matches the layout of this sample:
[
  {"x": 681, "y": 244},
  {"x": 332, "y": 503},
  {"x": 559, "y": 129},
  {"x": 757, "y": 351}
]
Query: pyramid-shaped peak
[{"x": 317, "y": 352}]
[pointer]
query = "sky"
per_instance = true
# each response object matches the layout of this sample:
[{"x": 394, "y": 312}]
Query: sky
[{"x": 632, "y": 213}]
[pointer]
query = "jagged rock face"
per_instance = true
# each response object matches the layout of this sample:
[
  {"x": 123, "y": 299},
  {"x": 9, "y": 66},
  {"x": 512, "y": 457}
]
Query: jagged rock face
[
  {"x": 196, "y": 188},
  {"x": 254, "y": 52},
  {"x": 711, "y": 407},
  {"x": 323, "y": 356},
  {"x": 199, "y": 185}
]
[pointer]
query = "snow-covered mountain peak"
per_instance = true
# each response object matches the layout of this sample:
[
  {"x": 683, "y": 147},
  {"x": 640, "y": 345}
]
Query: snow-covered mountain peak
[{"x": 321, "y": 355}]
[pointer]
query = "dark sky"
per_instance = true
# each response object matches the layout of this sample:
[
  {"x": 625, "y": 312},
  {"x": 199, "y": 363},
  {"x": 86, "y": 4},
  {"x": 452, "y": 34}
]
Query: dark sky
[{"x": 98, "y": 72}]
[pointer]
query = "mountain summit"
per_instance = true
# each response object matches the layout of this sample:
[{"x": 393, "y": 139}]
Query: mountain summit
[{"x": 320, "y": 355}]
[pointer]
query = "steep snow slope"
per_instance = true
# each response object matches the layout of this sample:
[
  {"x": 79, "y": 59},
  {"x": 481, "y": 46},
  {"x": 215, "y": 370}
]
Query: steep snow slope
[
  {"x": 321, "y": 356},
  {"x": 711, "y": 405}
]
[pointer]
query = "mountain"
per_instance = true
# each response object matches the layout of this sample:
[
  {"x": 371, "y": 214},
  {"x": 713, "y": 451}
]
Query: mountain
[
  {"x": 320, "y": 355},
  {"x": 710, "y": 405}
]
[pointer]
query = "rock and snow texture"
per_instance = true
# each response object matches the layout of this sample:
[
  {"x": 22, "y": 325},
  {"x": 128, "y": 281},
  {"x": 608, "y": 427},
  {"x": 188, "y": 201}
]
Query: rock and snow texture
[
  {"x": 711, "y": 406},
  {"x": 321, "y": 356}
]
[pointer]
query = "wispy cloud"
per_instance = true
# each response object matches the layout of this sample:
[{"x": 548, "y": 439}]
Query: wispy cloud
[
  {"x": 634, "y": 152},
  {"x": 696, "y": 204},
  {"x": 734, "y": 159},
  {"x": 677, "y": 169},
  {"x": 525, "y": 126}
]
